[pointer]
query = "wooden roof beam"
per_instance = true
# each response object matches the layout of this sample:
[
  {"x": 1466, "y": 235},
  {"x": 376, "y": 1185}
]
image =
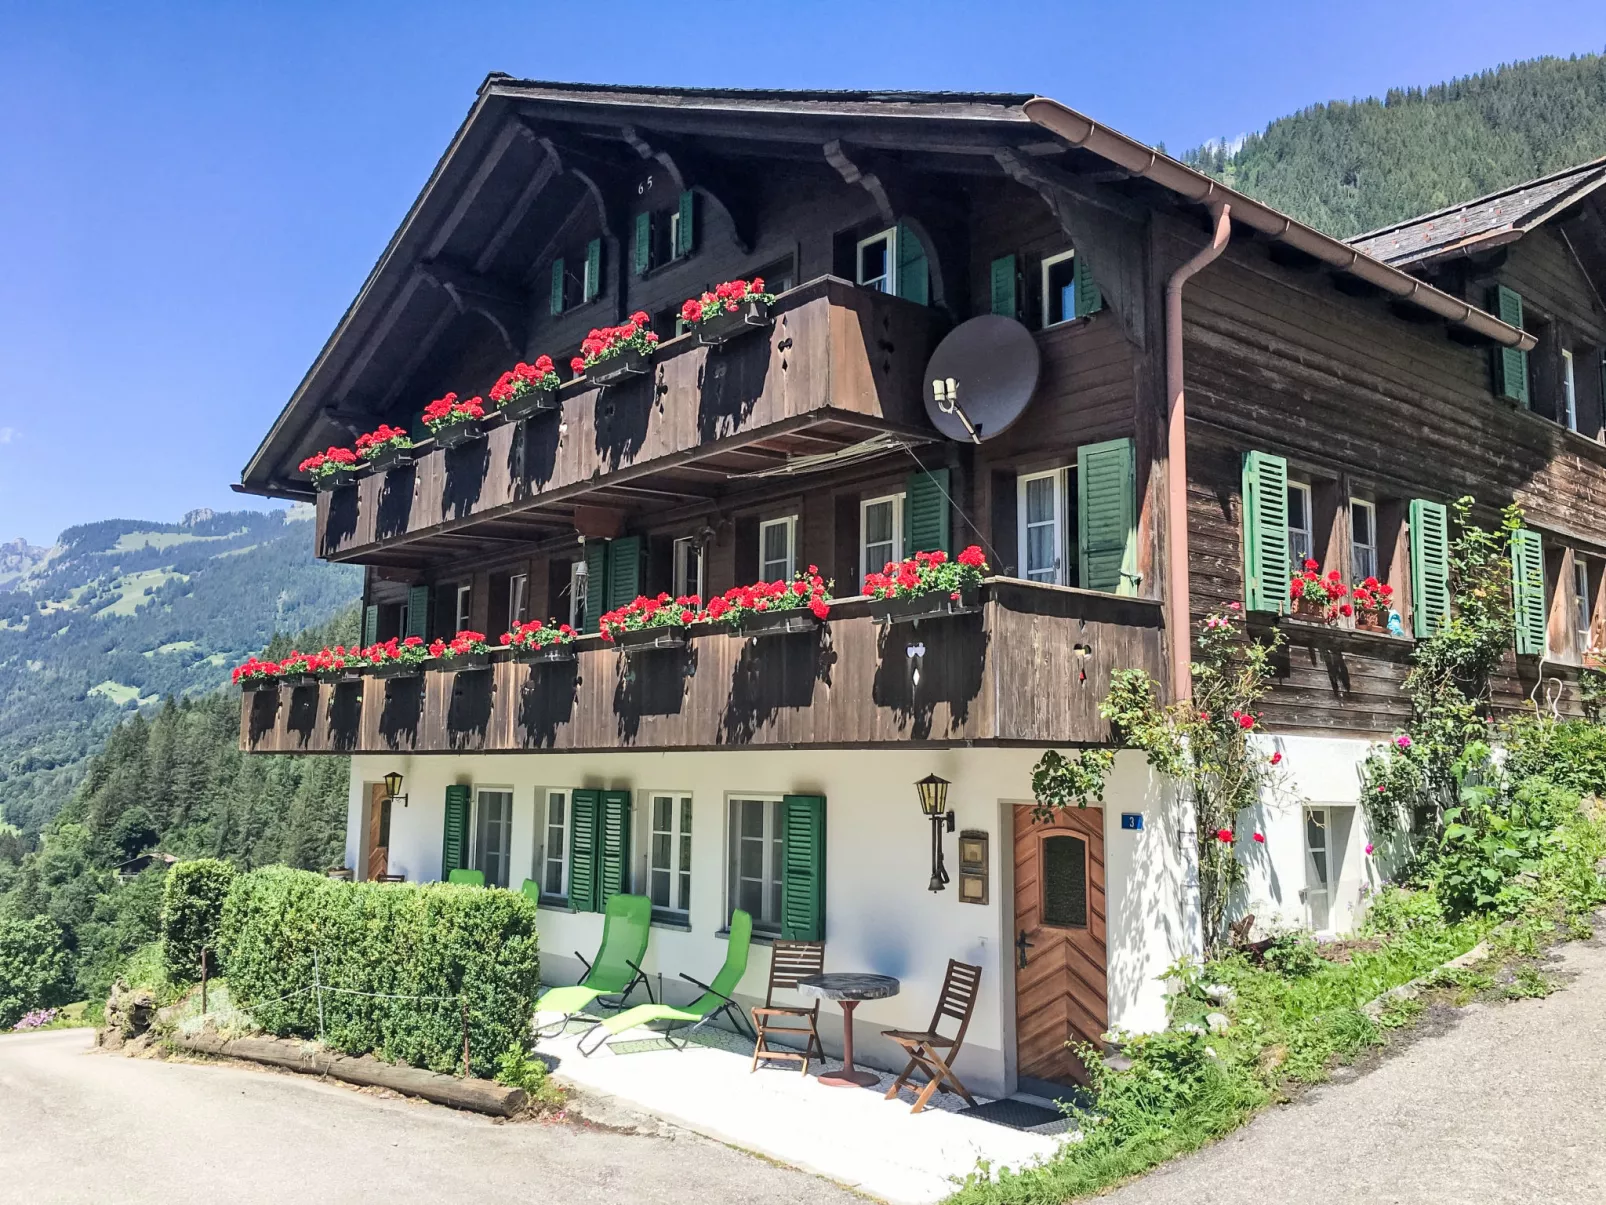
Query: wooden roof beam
[{"x": 689, "y": 169}]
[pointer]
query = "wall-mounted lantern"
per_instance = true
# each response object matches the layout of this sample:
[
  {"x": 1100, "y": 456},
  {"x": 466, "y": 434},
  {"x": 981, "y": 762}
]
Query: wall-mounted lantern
[
  {"x": 393, "y": 786},
  {"x": 934, "y": 803}
]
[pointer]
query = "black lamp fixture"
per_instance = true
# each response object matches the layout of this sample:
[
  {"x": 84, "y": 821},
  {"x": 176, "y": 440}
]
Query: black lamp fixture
[
  {"x": 934, "y": 803},
  {"x": 393, "y": 785}
]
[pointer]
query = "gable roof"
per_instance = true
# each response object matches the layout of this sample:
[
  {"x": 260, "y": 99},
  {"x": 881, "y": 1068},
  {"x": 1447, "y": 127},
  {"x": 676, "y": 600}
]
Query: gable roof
[{"x": 1483, "y": 223}]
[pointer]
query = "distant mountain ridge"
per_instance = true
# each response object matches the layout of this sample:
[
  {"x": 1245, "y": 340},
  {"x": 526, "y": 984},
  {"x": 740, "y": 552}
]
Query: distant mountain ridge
[
  {"x": 1348, "y": 167},
  {"x": 118, "y": 614}
]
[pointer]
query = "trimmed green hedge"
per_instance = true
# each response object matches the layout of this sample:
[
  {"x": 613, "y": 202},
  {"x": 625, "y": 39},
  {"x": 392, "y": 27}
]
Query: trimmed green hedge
[
  {"x": 389, "y": 939},
  {"x": 192, "y": 905}
]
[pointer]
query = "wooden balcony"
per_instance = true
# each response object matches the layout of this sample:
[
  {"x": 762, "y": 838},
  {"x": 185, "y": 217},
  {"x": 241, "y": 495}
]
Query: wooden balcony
[
  {"x": 1031, "y": 666},
  {"x": 838, "y": 365}
]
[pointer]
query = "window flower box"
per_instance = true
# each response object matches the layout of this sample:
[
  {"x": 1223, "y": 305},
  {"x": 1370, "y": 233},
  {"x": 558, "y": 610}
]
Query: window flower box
[
  {"x": 257, "y": 675},
  {"x": 527, "y": 389},
  {"x": 731, "y": 310},
  {"x": 464, "y": 653},
  {"x": 611, "y": 354},
  {"x": 651, "y": 623},
  {"x": 545, "y": 654},
  {"x": 774, "y": 608},
  {"x": 1372, "y": 600},
  {"x": 297, "y": 670},
  {"x": 396, "y": 658},
  {"x": 332, "y": 469},
  {"x": 453, "y": 422},
  {"x": 929, "y": 585},
  {"x": 385, "y": 448},
  {"x": 643, "y": 640},
  {"x": 1318, "y": 599},
  {"x": 536, "y": 644},
  {"x": 778, "y": 623}
]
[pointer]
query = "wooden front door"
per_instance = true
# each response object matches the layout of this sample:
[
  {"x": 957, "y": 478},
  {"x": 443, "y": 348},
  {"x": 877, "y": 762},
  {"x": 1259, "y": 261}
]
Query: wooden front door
[
  {"x": 378, "y": 831},
  {"x": 1060, "y": 976}
]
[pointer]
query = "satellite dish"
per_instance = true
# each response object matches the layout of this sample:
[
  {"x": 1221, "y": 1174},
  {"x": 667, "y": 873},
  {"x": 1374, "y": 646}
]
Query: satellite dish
[{"x": 981, "y": 377}]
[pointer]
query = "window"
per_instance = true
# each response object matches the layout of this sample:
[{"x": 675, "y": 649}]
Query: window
[
  {"x": 1301, "y": 526},
  {"x": 493, "y": 824},
  {"x": 1362, "y": 539},
  {"x": 1059, "y": 288},
  {"x": 778, "y": 276},
  {"x": 577, "y": 594},
  {"x": 465, "y": 598},
  {"x": 1569, "y": 391},
  {"x": 777, "y": 549},
  {"x": 518, "y": 598},
  {"x": 1064, "y": 882},
  {"x": 1041, "y": 507},
  {"x": 756, "y": 861},
  {"x": 1318, "y": 869},
  {"x": 1583, "y": 602},
  {"x": 688, "y": 567},
  {"x": 880, "y": 533},
  {"x": 554, "y": 868},
  {"x": 669, "y": 853},
  {"x": 672, "y": 233},
  {"x": 877, "y": 262}
]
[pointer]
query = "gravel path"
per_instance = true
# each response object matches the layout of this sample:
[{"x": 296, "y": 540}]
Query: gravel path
[
  {"x": 1506, "y": 1105},
  {"x": 83, "y": 1126}
]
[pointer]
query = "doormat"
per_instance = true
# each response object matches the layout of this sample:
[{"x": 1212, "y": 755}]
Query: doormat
[{"x": 1020, "y": 1115}]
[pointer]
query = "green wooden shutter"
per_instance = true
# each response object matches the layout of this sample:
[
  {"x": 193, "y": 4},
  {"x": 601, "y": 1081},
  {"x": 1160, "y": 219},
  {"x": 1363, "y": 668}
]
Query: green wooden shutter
[
  {"x": 925, "y": 512},
  {"x": 454, "y": 842},
  {"x": 1089, "y": 297},
  {"x": 686, "y": 231},
  {"x": 803, "y": 867},
  {"x": 557, "y": 286},
  {"x": 1106, "y": 517},
  {"x": 641, "y": 245},
  {"x": 593, "y": 280},
  {"x": 624, "y": 571},
  {"x": 1510, "y": 365},
  {"x": 613, "y": 847},
  {"x": 1004, "y": 299},
  {"x": 1265, "y": 532},
  {"x": 596, "y": 583},
  {"x": 1528, "y": 590},
  {"x": 584, "y": 816},
  {"x": 370, "y": 625},
  {"x": 914, "y": 274},
  {"x": 1430, "y": 567},
  {"x": 418, "y": 612}
]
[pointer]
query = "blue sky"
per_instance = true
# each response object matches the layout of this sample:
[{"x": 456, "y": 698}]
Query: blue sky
[{"x": 190, "y": 194}]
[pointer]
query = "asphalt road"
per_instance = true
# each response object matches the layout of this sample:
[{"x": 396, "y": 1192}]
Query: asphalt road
[
  {"x": 81, "y": 1126},
  {"x": 1505, "y": 1106}
]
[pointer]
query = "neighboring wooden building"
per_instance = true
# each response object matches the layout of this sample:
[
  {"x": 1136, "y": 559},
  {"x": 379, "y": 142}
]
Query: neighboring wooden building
[{"x": 1362, "y": 397}]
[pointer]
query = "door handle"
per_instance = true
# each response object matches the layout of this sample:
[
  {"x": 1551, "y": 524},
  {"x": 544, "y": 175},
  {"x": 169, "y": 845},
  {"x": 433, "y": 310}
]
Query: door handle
[{"x": 1021, "y": 946}]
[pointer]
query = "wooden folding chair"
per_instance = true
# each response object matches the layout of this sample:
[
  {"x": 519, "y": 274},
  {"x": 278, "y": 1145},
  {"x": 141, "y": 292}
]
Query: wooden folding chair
[
  {"x": 929, "y": 1051},
  {"x": 789, "y": 962}
]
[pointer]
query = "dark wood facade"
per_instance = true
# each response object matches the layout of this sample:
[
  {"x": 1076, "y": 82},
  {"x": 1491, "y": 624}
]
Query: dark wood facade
[{"x": 1365, "y": 396}]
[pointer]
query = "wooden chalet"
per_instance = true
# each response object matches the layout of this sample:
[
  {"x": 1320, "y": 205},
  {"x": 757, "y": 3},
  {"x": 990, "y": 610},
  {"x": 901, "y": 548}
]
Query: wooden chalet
[{"x": 1214, "y": 378}]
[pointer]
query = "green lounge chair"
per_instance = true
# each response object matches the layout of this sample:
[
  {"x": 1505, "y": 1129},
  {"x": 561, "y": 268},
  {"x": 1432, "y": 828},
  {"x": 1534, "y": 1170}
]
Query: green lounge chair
[
  {"x": 716, "y": 998},
  {"x": 469, "y": 878},
  {"x": 616, "y": 971}
]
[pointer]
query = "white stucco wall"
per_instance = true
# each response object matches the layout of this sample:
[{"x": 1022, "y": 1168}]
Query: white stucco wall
[{"x": 879, "y": 914}]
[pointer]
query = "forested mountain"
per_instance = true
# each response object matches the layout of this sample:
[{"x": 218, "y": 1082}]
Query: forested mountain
[
  {"x": 121, "y": 614},
  {"x": 1347, "y": 167}
]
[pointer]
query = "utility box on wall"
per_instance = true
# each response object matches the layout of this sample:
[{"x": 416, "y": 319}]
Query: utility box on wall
[{"x": 972, "y": 867}]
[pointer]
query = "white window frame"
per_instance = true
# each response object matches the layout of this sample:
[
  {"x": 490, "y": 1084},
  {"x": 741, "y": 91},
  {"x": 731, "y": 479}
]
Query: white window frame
[
  {"x": 1061, "y": 571},
  {"x": 1047, "y": 295},
  {"x": 1315, "y": 890},
  {"x": 687, "y": 581},
  {"x": 673, "y": 228},
  {"x": 465, "y": 602},
  {"x": 866, "y": 566},
  {"x": 579, "y": 583},
  {"x": 475, "y": 853},
  {"x": 890, "y": 236},
  {"x": 1308, "y": 531},
  {"x": 518, "y": 599},
  {"x": 681, "y": 856},
  {"x": 768, "y": 919},
  {"x": 790, "y": 524},
  {"x": 1583, "y": 603},
  {"x": 545, "y": 855},
  {"x": 1569, "y": 390},
  {"x": 1356, "y": 543}
]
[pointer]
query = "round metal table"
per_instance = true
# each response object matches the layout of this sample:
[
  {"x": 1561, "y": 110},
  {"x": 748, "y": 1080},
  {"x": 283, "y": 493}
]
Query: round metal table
[{"x": 847, "y": 988}]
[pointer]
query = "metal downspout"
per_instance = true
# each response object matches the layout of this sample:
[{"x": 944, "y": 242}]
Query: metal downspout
[{"x": 1177, "y": 616}]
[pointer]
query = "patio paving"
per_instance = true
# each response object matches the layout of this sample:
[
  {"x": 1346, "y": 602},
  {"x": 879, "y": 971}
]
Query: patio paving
[{"x": 850, "y": 1135}]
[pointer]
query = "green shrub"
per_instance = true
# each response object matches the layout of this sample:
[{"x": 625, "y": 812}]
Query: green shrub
[
  {"x": 35, "y": 968},
  {"x": 453, "y": 944},
  {"x": 1294, "y": 954},
  {"x": 192, "y": 908},
  {"x": 1571, "y": 753}
]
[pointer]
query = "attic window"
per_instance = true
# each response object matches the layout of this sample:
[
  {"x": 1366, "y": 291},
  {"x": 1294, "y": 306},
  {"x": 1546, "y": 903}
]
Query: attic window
[{"x": 877, "y": 261}]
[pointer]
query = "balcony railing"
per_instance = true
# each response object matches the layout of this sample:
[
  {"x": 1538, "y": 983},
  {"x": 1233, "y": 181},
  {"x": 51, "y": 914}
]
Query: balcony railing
[
  {"x": 838, "y": 364},
  {"x": 1031, "y": 665}
]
